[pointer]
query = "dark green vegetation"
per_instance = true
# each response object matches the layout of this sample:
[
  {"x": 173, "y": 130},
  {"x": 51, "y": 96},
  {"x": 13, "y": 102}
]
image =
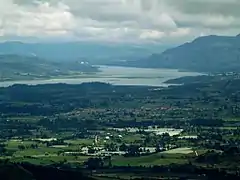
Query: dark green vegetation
[
  {"x": 86, "y": 127},
  {"x": 16, "y": 67},
  {"x": 204, "y": 54},
  {"x": 218, "y": 97},
  {"x": 9, "y": 171}
]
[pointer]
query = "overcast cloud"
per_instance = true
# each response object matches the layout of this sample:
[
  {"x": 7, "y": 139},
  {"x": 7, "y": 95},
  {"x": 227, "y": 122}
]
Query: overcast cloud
[{"x": 164, "y": 21}]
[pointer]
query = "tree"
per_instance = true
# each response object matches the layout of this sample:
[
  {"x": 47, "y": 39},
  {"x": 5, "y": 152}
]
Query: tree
[
  {"x": 111, "y": 147},
  {"x": 2, "y": 148},
  {"x": 91, "y": 150},
  {"x": 21, "y": 147},
  {"x": 123, "y": 147},
  {"x": 34, "y": 146},
  {"x": 94, "y": 163},
  {"x": 133, "y": 150}
]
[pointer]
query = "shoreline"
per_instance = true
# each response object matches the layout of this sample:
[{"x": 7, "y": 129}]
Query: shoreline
[{"x": 109, "y": 74}]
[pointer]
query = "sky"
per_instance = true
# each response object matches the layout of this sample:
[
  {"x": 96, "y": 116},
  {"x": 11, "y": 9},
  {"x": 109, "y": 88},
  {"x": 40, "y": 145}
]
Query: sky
[{"x": 142, "y": 21}]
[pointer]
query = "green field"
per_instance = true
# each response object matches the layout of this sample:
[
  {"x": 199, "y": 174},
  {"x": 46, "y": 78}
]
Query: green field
[
  {"x": 150, "y": 160},
  {"x": 80, "y": 141},
  {"x": 51, "y": 159},
  {"x": 132, "y": 138}
]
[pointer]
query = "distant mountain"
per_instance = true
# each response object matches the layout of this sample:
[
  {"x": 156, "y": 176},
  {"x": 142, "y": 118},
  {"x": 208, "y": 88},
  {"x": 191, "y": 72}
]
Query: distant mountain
[
  {"x": 18, "y": 67},
  {"x": 87, "y": 51},
  {"x": 204, "y": 54}
]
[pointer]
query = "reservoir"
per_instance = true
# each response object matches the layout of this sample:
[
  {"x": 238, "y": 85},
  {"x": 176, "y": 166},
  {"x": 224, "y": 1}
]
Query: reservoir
[{"x": 116, "y": 76}]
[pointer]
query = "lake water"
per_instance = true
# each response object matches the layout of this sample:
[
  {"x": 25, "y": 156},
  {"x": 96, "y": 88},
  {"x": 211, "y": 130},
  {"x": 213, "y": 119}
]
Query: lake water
[{"x": 117, "y": 76}]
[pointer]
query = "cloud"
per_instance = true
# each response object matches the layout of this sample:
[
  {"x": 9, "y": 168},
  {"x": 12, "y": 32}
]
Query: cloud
[
  {"x": 164, "y": 21},
  {"x": 38, "y": 19}
]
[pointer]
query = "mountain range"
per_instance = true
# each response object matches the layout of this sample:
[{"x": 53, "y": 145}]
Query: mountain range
[
  {"x": 93, "y": 52},
  {"x": 211, "y": 54},
  {"x": 205, "y": 54}
]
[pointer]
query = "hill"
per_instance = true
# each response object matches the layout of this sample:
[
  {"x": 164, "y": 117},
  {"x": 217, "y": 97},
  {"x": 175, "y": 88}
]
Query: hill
[
  {"x": 204, "y": 54},
  {"x": 17, "y": 67}
]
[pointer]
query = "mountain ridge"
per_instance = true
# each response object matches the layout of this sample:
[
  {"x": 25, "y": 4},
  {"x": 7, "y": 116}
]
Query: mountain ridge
[
  {"x": 71, "y": 51},
  {"x": 211, "y": 54}
]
